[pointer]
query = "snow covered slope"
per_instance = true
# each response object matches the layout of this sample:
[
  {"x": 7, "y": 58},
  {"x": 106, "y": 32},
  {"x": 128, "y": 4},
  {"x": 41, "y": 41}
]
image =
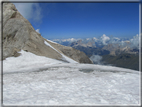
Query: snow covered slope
[
  {"x": 64, "y": 58},
  {"x": 37, "y": 80}
]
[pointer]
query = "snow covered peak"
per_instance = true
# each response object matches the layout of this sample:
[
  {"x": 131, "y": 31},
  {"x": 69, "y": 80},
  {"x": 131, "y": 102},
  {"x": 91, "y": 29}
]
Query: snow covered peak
[
  {"x": 95, "y": 38},
  {"x": 87, "y": 38},
  {"x": 37, "y": 31},
  {"x": 71, "y": 39},
  {"x": 65, "y": 40},
  {"x": 116, "y": 38}
]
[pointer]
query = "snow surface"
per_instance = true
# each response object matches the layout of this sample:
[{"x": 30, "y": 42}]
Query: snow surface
[
  {"x": 26, "y": 61},
  {"x": 37, "y": 31},
  {"x": 35, "y": 80}
]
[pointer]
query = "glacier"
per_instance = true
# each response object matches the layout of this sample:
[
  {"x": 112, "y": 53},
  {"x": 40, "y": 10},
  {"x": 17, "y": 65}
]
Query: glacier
[{"x": 36, "y": 80}]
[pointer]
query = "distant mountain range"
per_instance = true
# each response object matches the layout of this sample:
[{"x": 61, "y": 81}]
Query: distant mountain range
[
  {"x": 114, "y": 45},
  {"x": 106, "y": 48},
  {"x": 102, "y": 41}
]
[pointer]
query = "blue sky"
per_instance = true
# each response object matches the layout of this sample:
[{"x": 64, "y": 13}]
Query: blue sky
[{"x": 82, "y": 20}]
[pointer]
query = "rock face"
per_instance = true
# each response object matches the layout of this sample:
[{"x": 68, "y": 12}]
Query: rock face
[
  {"x": 18, "y": 34},
  {"x": 72, "y": 53}
]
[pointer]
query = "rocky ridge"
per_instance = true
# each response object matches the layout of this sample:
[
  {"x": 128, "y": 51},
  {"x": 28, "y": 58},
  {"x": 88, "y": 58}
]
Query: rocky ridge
[{"x": 18, "y": 34}]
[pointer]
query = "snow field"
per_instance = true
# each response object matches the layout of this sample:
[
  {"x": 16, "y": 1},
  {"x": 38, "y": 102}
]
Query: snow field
[
  {"x": 27, "y": 61},
  {"x": 45, "y": 81},
  {"x": 70, "y": 86}
]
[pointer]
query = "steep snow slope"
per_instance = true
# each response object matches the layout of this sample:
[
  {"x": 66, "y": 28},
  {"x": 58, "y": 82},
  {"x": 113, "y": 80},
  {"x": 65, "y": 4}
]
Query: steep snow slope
[
  {"x": 36, "y": 80},
  {"x": 64, "y": 58}
]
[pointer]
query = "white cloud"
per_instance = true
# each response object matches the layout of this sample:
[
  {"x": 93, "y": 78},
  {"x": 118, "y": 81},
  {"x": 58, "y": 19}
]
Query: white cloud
[
  {"x": 135, "y": 41},
  {"x": 37, "y": 12},
  {"x": 104, "y": 39},
  {"x": 37, "y": 30},
  {"x": 31, "y": 11},
  {"x": 96, "y": 59}
]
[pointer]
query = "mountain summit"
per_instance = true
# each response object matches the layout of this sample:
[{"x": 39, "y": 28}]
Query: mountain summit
[{"x": 18, "y": 34}]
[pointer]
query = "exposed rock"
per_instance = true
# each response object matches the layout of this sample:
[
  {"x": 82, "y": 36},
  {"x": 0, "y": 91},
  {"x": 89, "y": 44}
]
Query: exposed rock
[
  {"x": 18, "y": 34},
  {"x": 113, "y": 48},
  {"x": 72, "y": 53}
]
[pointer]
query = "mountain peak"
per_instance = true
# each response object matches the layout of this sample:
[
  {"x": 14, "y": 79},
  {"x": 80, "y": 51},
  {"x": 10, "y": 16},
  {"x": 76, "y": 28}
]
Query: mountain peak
[{"x": 18, "y": 34}]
